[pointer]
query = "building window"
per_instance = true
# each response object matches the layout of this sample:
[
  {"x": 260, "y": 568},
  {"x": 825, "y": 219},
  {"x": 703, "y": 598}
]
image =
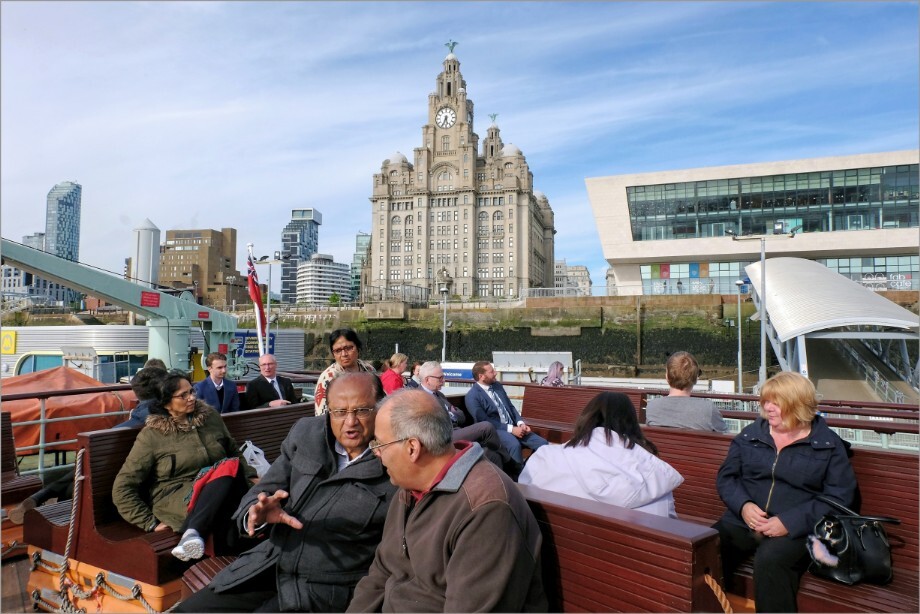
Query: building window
[{"x": 445, "y": 143}]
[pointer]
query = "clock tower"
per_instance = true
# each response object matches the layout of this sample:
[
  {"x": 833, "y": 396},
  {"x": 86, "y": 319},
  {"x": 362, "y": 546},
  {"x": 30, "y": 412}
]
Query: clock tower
[{"x": 475, "y": 215}]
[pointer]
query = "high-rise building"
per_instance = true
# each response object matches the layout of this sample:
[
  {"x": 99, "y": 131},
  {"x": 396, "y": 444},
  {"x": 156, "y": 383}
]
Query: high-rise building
[
  {"x": 319, "y": 278},
  {"x": 474, "y": 213},
  {"x": 62, "y": 232},
  {"x": 299, "y": 241},
  {"x": 359, "y": 262},
  {"x": 201, "y": 261}
]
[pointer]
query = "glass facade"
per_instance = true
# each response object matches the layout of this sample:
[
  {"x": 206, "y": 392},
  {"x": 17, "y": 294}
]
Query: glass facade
[
  {"x": 62, "y": 230},
  {"x": 826, "y": 201},
  {"x": 299, "y": 240}
]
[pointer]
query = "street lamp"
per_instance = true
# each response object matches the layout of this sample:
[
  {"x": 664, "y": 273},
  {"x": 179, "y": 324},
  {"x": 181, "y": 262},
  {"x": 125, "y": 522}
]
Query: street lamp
[
  {"x": 444, "y": 283},
  {"x": 740, "y": 285},
  {"x": 778, "y": 231}
]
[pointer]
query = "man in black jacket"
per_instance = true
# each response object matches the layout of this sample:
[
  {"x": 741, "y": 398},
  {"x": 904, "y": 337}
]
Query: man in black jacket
[
  {"x": 323, "y": 504},
  {"x": 269, "y": 389}
]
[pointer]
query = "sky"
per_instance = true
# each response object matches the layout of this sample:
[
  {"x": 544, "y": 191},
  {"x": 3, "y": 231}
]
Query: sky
[{"x": 230, "y": 114}]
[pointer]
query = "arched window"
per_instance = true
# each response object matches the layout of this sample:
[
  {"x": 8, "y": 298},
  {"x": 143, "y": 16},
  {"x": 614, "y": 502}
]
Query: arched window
[
  {"x": 498, "y": 216},
  {"x": 408, "y": 220},
  {"x": 445, "y": 176},
  {"x": 395, "y": 220},
  {"x": 483, "y": 216}
]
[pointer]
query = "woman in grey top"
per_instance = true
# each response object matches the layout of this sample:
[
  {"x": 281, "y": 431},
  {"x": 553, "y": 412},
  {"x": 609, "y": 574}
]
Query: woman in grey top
[{"x": 679, "y": 409}]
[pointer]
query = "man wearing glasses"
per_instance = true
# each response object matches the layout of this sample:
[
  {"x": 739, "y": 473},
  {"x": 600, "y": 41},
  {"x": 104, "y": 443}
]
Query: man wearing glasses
[
  {"x": 431, "y": 375},
  {"x": 346, "y": 347},
  {"x": 322, "y": 503},
  {"x": 460, "y": 537},
  {"x": 269, "y": 389}
]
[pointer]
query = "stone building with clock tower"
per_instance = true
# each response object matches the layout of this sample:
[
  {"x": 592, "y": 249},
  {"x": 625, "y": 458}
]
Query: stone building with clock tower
[{"x": 471, "y": 211}]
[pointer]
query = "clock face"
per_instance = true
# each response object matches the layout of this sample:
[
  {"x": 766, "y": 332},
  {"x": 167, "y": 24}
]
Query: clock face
[{"x": 445, "y": 117}]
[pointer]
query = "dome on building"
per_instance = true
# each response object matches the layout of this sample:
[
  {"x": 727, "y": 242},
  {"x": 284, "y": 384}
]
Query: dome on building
[
  {"x": 450, "y": 56},
  {"x": 510, "y": 150},
  {"x": 147, "y": 225},
  {"x": 397, "y": 158}
]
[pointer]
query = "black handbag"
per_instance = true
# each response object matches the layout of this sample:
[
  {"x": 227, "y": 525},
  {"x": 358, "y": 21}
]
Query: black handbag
[{"x": 850, "y": 548}]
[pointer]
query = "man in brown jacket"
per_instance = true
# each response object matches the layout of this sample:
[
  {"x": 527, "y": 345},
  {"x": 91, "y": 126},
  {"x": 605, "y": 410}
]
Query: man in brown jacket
[{"x": 458, "y": 537}]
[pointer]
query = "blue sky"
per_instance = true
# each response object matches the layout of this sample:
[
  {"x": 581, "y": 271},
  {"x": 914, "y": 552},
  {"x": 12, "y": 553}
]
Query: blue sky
[{"x": 207, "y": 115}]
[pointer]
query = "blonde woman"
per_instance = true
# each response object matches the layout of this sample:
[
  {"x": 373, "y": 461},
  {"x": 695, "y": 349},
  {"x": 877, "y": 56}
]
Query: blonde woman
[
  {"x": 769, "y": 480},
  {"x": 392, "y": 376}
]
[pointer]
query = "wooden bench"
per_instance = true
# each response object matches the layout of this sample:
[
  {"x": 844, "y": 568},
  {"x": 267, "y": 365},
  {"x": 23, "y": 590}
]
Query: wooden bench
[
  {"x": 103, "y": 539},
  {"x": 14, "y": 489},
  {"x": 552, "y": 411},
  {"x": 598, "y": 557},
  {"x": 888, "y": 486}
]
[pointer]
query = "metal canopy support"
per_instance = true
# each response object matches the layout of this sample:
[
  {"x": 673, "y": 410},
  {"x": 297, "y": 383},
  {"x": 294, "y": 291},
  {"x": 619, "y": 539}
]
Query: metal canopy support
[{"x": 168, "y": 317}]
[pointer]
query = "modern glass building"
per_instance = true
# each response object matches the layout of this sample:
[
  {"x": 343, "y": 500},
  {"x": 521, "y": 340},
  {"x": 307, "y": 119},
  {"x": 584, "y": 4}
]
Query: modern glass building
[
  {"x": 671, "y": 232},
  {"x": 62, "y": 232},
  {"x": 359, "y": 261},
  {"x": 299, "y": 241}
]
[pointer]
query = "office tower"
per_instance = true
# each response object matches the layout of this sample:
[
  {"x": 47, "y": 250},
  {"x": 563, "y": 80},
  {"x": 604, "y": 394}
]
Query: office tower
[
  {"x": 299, "y": 241},
  {"x": 201, "y": 261},
  {"x": 359, "y": 262},
  {"x": 319, "y": 278}
]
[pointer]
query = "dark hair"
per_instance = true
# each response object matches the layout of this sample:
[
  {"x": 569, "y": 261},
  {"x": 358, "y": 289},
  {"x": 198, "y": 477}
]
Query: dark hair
[
  {"x": 379, "y": 393},
  {"x": 214, "y": 356},
  {"x": 349, "y": 334},
  {"x": 168, "y": 386},
  {"x": 616, "y": 413},
  {"x": 155, "y": 362},
  {"x": 479, "y": 368},
  {"x": 146, "y": 383}
]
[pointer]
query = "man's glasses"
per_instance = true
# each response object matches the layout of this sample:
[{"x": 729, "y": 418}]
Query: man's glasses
[
  {"x": 375, "y": 445},
  {"x": 345, "y": 349},
  {"x": 185, "y": 396},
  {"x": 440, "y": 378},
  {"x": 360, "y": 413}
]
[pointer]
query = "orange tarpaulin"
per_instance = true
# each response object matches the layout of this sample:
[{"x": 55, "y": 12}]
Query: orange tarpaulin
[{"x": 62, "y": 378}]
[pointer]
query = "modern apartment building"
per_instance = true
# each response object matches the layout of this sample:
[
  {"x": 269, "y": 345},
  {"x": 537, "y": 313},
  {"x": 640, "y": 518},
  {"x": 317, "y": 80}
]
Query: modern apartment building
[
  {"x": 203, "y": 261},
  {"x": 671, "y": 232},
  {"x": 319, "y": 278},
  {"x": 457, "y": 206},
  {"x": 299, "y": 241}
]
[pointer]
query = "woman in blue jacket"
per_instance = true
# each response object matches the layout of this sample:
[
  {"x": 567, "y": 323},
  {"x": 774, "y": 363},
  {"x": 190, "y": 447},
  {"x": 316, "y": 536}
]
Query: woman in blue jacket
[{"x": 769, "y": 481}]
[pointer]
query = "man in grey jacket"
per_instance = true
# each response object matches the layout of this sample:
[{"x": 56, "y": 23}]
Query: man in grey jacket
[{"x": 323, "y": 503}]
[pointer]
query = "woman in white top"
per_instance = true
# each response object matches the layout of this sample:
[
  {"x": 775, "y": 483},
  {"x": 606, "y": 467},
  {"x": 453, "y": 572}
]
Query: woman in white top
[{"x": 608, "y": 459}]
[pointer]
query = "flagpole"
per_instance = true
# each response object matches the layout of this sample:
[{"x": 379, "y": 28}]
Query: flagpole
[{"x": 250, "y": 273}]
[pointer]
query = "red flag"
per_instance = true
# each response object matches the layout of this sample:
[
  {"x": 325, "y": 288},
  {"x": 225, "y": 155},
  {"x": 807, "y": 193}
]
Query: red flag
[{"x": 255, "y": 293}]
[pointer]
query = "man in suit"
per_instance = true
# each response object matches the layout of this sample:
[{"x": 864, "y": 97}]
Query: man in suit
[
  {"x": 431, "y": 376},
  {"x": 215, "y": 390},
  {"x": 270, "y": 389},
  {"x": 487, "y": 401}
]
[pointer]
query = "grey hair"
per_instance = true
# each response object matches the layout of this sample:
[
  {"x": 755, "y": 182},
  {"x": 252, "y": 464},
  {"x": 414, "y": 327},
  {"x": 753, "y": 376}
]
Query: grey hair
[
  {"x": 427, "y": 367},
  {"x": 415, "y": 413}
]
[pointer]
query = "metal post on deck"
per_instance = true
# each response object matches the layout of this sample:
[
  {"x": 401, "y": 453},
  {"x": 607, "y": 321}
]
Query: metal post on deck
[{"x": 41, "y": 439}]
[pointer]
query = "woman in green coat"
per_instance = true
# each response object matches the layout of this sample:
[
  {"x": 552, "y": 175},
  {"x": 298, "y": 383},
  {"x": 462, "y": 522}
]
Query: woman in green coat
[{"x": 188, "y": 467}]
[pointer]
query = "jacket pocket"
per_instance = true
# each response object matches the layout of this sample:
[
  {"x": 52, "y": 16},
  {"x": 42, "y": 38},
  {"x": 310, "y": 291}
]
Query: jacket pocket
[
  {"x": 304, "y": 474},
  {"x": 352, "y": 509}
]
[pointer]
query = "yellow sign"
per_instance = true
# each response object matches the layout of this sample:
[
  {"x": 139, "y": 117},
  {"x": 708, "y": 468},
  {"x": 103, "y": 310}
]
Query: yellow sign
[{"x": 8, "y": 342}]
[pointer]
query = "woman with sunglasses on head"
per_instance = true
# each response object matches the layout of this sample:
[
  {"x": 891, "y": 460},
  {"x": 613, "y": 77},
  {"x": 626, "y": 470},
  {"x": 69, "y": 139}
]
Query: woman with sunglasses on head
[
  {"x": 346, "y": 347},
  {"x": 190, "y": 467}
]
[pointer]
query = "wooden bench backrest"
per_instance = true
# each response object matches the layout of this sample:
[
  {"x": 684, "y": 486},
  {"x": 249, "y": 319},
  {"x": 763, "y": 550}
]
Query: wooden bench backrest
[
  {"x": 106, "y": 451},
  {"x": 565, "y": 404},
  {"x": 887, "y": 481},
  {"x": 597, "y": 556},
  {"x": 8, "y": 462}
]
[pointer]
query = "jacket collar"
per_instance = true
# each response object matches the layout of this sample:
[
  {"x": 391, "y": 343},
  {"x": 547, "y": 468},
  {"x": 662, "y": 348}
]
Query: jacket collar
[
  {"x": 821, "y": 436},
  {"x": 167, "y": 425},
  {"x": 455, "y": 476}
]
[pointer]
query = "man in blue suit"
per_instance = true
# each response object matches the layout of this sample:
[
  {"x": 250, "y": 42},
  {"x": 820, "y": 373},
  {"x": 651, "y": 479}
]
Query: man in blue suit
[
  {"x": 216, "y": 390},
  {"x": 487, "y": 401}
]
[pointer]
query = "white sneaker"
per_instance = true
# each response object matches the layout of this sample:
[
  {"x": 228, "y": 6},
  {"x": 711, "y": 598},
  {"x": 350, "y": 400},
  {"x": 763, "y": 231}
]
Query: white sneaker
[{"x": 189, "y": 548}]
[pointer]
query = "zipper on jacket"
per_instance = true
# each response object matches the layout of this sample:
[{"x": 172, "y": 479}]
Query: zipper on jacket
[{"x": 772, "y": 482}]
